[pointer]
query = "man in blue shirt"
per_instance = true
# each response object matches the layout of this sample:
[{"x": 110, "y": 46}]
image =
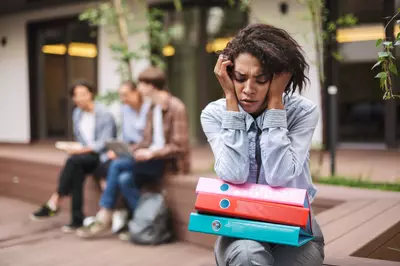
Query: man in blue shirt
[
  {"x": 134, "y": 118},
  {"x": 134, "y": 111}
]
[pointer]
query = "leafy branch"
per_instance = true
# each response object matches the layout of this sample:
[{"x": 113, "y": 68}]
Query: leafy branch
[
  {"x": 324, "y": 31},
  {"x": 118, "y": 20},
  {"x": 387, "y": 63},
  {"x": 330, "y": 35},
  {"x": 108, "y": 98}
]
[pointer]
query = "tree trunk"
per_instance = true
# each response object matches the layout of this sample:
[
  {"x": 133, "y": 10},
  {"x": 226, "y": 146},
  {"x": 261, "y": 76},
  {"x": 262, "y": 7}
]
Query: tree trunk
[{"x": 123, "y": 32}]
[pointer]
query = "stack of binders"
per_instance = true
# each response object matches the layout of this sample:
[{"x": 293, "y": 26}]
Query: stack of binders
[{"x": 252, "y": 211}]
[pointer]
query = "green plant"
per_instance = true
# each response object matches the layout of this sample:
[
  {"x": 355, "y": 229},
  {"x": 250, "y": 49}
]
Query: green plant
[
  {"x": 117, "y": 19},
  {"x": 108, "y": 98},
  {"x": 357, "y": 182},
  {"x": 324, "y": 32},
  {"x": 385, "y": 61}
]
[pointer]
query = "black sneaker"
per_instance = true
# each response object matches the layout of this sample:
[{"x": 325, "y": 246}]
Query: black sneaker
[
  {"x": 71, "y": 228},
  {"x": 43, "y": 213}
]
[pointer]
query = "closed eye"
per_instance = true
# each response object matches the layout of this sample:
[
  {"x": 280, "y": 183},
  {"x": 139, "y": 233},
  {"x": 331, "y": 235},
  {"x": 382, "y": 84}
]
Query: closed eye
[
  {"x": 239, "y": 78},
  {"x": 262, "y": 81}
]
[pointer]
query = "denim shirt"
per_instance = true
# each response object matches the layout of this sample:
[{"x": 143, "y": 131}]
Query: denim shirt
[
  {"x": 133, "y": 122},
  {"x": 105, "y": 129},
  {"x": 284, "y": 139}
]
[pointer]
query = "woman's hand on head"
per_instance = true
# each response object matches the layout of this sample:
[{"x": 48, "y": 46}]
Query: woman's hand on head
[
  {"x": 223, "y": 77},
  {"x": 226, "y": 82},
  {"x": 276, "y": 90}
]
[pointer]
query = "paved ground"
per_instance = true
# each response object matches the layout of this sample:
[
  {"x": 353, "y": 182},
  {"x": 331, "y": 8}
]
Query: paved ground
[
  {"x": 375, "y": 165},
  {"x": 31, "y": 243},
  {"x": 24, "y": 242}
]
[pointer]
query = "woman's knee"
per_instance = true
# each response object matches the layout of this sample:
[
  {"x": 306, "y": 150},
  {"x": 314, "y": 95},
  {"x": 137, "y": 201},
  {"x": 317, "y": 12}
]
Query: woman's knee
[
  {"x": 244, "y": 253},
  {"x": 125, "y": 179},
  {"x": 310, "y": 254}
]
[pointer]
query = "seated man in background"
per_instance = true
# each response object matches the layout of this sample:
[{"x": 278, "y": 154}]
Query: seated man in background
[
  {"x": 93, "y": 125},
  {"x": 135, "y": 112},
  {"x": 169, "y": 151},
  {"x": 134, "y": 115}
]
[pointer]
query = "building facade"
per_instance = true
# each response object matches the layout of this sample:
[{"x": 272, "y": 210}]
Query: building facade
[{"x": 44, "y": 47}]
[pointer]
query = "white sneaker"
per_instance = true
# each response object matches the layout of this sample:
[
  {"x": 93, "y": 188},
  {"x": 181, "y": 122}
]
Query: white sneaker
[
  {"x": 88, "y": 221},
  {"x": 119, "y": 220}
]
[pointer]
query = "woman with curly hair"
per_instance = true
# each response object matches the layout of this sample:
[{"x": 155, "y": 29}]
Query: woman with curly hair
[{"x": 261, "y": 132}]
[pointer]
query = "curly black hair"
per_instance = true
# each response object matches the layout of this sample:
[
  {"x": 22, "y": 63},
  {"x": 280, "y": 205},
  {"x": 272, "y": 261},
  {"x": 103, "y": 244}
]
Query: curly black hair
[{"x": 277, "y": 51}]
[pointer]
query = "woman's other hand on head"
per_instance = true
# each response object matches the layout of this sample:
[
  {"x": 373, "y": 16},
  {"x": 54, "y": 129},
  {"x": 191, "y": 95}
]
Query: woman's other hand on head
[{"x": 276, "y": 90}]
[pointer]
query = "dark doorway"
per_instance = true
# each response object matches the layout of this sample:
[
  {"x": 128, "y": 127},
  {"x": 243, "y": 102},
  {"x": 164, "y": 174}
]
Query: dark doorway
[
  {"x": 365, "y": 119},
  {"x": 60, "y": 52}
]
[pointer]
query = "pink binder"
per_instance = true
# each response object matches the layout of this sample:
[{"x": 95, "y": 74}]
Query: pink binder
[{"x": 289, "y": 196}]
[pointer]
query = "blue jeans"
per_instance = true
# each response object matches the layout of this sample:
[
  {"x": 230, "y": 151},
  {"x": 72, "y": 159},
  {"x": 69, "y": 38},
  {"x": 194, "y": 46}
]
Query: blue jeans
[{"x": 122, "y": 177}]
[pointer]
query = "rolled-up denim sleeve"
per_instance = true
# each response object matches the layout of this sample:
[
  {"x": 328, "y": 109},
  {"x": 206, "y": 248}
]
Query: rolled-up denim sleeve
[
  {"x": 227, "y": 135},
  {"x": 284, "y": 151}
]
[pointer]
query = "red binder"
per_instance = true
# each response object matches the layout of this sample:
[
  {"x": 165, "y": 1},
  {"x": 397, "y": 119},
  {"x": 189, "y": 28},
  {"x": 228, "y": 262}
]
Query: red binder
[{"x": 252, "y": 209}]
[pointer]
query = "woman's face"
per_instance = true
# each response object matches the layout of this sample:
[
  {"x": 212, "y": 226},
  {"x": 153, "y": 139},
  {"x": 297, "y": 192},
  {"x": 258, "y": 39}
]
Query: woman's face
[{"x": 251, "y": 84}]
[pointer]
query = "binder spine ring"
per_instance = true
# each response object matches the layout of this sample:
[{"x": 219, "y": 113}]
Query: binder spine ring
[
  {"x": 224, "y": 187},
  {"x": 216, "y": 225},
  {"x": 224, "y": 204}
]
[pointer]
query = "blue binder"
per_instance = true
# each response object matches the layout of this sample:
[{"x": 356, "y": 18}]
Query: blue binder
[{"x": 248, "y": 229}]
